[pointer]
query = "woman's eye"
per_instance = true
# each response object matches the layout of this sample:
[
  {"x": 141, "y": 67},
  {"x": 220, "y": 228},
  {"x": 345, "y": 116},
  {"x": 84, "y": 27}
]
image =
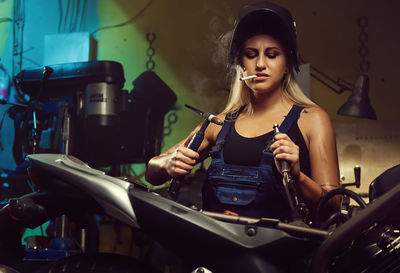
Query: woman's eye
[
  {"x": 272, "y": 55},
  {"x": 251, "y": 55}
]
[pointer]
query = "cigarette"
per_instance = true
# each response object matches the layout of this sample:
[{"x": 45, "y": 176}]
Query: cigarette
[{"x": 248, "y": 77}]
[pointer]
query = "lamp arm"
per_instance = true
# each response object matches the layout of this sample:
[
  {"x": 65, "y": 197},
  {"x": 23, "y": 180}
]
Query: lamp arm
[
  {"x": 327, "y": 79},
  {"x": 338, "y": 91}
]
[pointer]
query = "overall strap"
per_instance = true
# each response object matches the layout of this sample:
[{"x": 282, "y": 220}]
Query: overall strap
[
  {"x": 229, "y": 120},
  {"x": 292, "y": 117},
  {"x": 224, "y": 131}
]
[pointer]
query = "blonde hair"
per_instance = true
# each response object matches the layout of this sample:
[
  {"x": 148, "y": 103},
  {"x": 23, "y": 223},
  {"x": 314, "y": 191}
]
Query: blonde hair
[{"x": 240, "y": 93}]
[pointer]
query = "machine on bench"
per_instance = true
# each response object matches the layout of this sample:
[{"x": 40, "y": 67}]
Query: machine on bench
[{"x": 96, "y": 120}]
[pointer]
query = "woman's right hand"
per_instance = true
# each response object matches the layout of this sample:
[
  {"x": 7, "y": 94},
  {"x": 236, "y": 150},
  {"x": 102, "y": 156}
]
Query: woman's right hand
[
  {"x": 179, "y": 160},
  {"x": 182, "y": 160}
]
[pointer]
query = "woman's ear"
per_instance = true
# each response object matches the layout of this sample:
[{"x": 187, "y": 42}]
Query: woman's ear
[{"x": 241, "y": 69}]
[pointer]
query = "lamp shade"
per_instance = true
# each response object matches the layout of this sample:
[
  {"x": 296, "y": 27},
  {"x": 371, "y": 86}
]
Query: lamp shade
[{"x": 358, "y": 105}]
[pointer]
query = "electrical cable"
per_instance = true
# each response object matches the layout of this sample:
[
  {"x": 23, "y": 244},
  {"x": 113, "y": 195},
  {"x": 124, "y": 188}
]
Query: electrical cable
[
  {"x": 66, "y": 15},
  {"x": 83, "y": 16},
  {"x": 126, "y": 22},
  {"x": 1, "y": 125},
  {"x": 18, "y": 28},
  {"x": 71, "y": 19},
  {"x": 75, "y": 24},
  {"x": 60, "y": 12},
  {"x": 5, "y": 19}
]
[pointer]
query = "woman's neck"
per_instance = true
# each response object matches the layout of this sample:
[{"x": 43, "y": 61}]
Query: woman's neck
[{"x": 269, "y": 102}]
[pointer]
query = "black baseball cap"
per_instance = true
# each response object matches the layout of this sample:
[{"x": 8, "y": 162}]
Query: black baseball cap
[{"x": 265, "y": 18}]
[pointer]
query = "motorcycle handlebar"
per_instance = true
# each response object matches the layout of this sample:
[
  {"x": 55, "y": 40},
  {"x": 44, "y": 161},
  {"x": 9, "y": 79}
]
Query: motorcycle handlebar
[{"x": 373, "y": 213}]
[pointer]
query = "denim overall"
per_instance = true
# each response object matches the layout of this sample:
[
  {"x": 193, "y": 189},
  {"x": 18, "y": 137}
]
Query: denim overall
[{"x": 252, "y": 191}]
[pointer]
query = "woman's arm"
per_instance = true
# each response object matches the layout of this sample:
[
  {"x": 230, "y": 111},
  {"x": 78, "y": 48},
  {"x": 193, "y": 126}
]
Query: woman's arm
[
  {"x": 319, "y": 135},
  {"x": 323, "y": 158},
  {"x": 176, "y": 160},
  {"x": 179, "y": 160}
]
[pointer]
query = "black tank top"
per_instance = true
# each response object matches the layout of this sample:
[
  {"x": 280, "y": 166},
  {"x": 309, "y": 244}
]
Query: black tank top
[{"x": 239, "y": 150}]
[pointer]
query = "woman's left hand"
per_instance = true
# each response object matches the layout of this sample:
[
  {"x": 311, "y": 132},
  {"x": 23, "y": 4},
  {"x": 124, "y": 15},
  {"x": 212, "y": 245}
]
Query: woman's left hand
[{"x": 285, "y": 149}]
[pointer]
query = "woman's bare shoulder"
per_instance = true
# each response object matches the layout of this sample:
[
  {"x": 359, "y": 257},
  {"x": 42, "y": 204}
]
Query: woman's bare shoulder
[
  {"x": 314, "y": 114},
  {"x": 314, "y": 120}
]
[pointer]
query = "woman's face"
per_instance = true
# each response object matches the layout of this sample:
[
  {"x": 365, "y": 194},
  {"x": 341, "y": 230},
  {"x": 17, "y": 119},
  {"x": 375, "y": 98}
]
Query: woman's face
[{"x": 263, "y": 56}]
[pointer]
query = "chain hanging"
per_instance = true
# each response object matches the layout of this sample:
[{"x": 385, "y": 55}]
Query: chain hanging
[
  {"x": 363, "y": 49},
  {"x": 172, "y": 117},
  {"x": 150, "y": 64}
]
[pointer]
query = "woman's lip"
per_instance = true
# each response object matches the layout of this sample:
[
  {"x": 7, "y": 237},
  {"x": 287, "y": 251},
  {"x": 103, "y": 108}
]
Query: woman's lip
[{"x": 261, "y": 77}]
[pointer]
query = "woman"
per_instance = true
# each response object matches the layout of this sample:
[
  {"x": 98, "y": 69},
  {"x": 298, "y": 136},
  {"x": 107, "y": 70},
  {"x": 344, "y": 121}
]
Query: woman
[{"x": 245, "y": 175}]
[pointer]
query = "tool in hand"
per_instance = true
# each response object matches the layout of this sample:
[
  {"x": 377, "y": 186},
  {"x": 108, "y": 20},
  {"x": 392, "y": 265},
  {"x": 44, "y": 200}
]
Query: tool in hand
[
  {"x": 194, "y": 144},
  {"x": 287, "y": 179},
  {"x": 210, "y": 117}
]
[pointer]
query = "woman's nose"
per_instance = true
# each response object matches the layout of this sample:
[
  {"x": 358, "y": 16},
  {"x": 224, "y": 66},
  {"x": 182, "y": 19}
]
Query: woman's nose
[{"x": 261, "y": 64}]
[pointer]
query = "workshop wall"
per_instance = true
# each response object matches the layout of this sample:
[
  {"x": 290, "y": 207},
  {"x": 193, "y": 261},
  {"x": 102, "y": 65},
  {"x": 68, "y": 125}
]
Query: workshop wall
[{"x": 188, "y": 54}]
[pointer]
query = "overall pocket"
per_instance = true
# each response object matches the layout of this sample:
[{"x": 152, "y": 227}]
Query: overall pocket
[
  {"x": 234, "y": 195},
  {"x": 239, "y": 187}
]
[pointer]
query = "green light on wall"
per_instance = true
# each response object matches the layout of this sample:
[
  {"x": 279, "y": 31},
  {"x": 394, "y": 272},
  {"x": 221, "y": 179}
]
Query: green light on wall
[{"x": 5, "y": 24}]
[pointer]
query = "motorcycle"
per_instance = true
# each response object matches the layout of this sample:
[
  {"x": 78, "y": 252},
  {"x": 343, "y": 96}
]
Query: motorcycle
[{"x": 368, "y": 241}]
